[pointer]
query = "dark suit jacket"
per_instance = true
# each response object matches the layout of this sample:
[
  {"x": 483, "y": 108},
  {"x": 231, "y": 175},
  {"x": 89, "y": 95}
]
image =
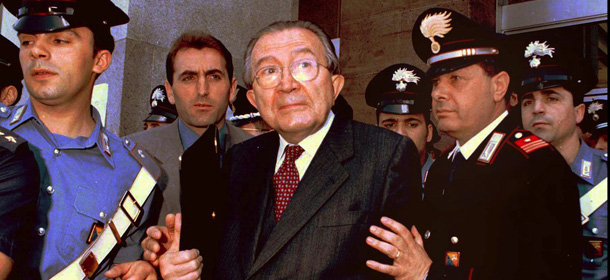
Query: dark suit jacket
[
  {"x": 359, "y": 173},
  {"x": 514, "y": 217},
  {"x": 165, "y": 144}
]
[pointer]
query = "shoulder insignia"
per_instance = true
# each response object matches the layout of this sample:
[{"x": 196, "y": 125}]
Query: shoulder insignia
[
  {"x": 492, "y": 147},
  {"x": 18, "y": 113},
  {"x": 143, "y": 157},
  {"x": 530, "y": 142}
]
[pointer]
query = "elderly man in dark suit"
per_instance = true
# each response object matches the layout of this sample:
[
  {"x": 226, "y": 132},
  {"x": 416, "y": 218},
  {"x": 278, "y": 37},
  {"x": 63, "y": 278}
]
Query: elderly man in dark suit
[{"x": 303, "y": 196}]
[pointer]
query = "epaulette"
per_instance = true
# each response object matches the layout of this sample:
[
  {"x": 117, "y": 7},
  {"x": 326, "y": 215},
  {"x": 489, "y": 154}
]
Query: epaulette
[
  {"x": 527, "y": 141},
  {"x": 10, "y": 140},
  {"x": 605, "y": 156},
  {"x": 143, "y": 157}
]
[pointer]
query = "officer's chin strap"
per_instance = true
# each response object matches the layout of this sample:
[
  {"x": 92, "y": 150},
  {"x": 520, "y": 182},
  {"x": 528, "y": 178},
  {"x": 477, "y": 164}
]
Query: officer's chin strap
[
  {"x": 126, "y": 215},
  {"x": 593, "y": 200}
]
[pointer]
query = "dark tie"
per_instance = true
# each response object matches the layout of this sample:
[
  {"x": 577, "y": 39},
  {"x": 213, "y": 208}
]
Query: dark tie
[
  {"x": 286, "y": 180},
  {"x": 458, "y": 159}
]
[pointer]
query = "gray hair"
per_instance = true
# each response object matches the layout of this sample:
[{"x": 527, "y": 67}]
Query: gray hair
[{"x": 329, "y": 49}]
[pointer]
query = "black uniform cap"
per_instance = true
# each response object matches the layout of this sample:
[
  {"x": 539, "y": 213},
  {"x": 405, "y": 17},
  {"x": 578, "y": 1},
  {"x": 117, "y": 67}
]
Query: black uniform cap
[
  {"x": 244, "y": 111},
  {"x": 10, "y": 69},
  {"x": 400, "y": 89},
  {"x": 37, "y": 16},
  {"x": 160, "y": 108},
  {"x": 596, "y": 112},
  {"x": 545, "y": 63},
  {"x": 447, "y": 41}
]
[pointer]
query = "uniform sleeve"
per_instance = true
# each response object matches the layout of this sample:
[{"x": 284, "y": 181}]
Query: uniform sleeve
[
  {"x": 19, "y": 183},
  {"x": 403, "y": 184}
]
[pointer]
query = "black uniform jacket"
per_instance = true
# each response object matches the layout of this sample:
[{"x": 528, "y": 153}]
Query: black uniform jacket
[{"x": 510, "y": 213}]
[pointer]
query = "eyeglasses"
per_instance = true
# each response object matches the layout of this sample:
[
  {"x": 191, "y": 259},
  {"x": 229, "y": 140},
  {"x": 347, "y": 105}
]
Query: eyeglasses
[{"x": 302, "y": 70}]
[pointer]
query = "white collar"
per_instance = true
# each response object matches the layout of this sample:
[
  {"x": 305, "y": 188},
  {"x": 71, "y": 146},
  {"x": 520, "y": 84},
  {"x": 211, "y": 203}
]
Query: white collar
[
  {"x": 471, "y": 145},
  {"x": 311, "y": 143}
]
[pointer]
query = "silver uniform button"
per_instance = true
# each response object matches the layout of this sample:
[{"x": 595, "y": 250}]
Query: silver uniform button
[
  {"x": 126, "y": 141},
  {"x": 454, "y": 240},
  {"x": 518, "y": 135},
  {"x": 427, "y": 234},
  {"x": 102, "y": 215},
  {"x": 594, "y": 230},
  {"x": 180, "y": 158},
  {"x": 41, "y": 231},
  {"x": 3, "y": 109},
  {"x": 57, "y": 152},
  {"x": 50, "y": 189}
]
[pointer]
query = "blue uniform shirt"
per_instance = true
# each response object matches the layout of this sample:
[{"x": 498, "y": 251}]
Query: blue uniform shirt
[
  {"x": 591, "y": 167},
  {"x": 82, "y": 182}
]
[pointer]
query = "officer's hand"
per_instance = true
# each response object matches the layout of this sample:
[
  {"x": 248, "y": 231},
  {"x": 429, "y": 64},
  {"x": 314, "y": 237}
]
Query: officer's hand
[
  {"x": 138, "y": 270},
  {"x": 158, "y": 240},
  {"x": 404, "y": 246},
  {"x": 176, "y": 264}
]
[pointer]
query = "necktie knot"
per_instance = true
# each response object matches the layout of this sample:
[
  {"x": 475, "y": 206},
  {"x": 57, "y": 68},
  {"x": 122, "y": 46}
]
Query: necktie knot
[{"x": 293, "y": 152}]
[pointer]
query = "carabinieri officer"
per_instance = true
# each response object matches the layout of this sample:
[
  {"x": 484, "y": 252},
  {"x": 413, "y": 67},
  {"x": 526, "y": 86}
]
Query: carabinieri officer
[{"x": 95, "y": 188}]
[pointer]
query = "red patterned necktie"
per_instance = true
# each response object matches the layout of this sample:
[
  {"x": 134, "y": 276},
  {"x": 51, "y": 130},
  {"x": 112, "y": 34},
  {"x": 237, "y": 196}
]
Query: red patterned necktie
[{"x": 286, "y": 180}]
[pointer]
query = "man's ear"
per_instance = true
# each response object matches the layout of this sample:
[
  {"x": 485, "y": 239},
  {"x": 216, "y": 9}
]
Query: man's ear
[
  {"x": 579, "y": 111},
  {"x": 500, "y": 84},
  {"x": 430, "y": 133},
  {"x": 170, "y": 93},
  {"x": 233, "y": 91},
  {"x": 338, "y": 82},
  {"x": 101, "y": 61},
  {"x": 252, "y": 98},
  {"x": 8, "y": 95}
]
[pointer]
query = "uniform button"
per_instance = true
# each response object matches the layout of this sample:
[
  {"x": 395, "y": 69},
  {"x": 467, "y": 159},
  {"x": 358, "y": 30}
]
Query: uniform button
[
  {"x": 3, "y": 109},
  {"x": 180, "y": 158},
  {"x": 50, "y": 189},
  {"x": 57, "y": 152},
  {"x": 594, "y": 230},
  {"x": 41, "y": 231},
  {"x": 102, "y": 215},
  {"x": 454, "y": 240},
  {"x": 126, "y": 141},
  {"x": 427, "y": 234},
  {"x": 518, "y": 135}
]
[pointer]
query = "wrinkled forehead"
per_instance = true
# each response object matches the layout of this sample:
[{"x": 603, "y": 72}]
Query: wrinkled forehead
[{"x": 285, "y": 45}]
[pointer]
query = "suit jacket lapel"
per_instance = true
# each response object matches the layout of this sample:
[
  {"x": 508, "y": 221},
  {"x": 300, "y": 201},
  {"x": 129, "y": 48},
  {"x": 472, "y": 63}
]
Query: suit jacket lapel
[
  {"x": 324, "y": 176},
  {"x": 263, "y": 161}
]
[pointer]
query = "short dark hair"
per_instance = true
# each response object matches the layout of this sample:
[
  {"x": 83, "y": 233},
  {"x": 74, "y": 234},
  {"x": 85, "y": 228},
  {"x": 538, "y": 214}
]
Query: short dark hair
[
  {"x": 329, "y": 49},
  {"x": 495, "y": 65},
  {"x": 197, "y": 40},
  {"x": 102, "y": 39}
]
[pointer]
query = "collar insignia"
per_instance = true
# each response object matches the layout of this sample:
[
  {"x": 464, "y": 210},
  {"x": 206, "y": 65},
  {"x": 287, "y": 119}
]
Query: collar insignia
[
  {"x": 404, "y": 76},
  {"x": 436, "y": 25},
  {"x": 157, "y": 96},
  {"x": 536, "y": 49},
  {"x": 593, "y": 108}
]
